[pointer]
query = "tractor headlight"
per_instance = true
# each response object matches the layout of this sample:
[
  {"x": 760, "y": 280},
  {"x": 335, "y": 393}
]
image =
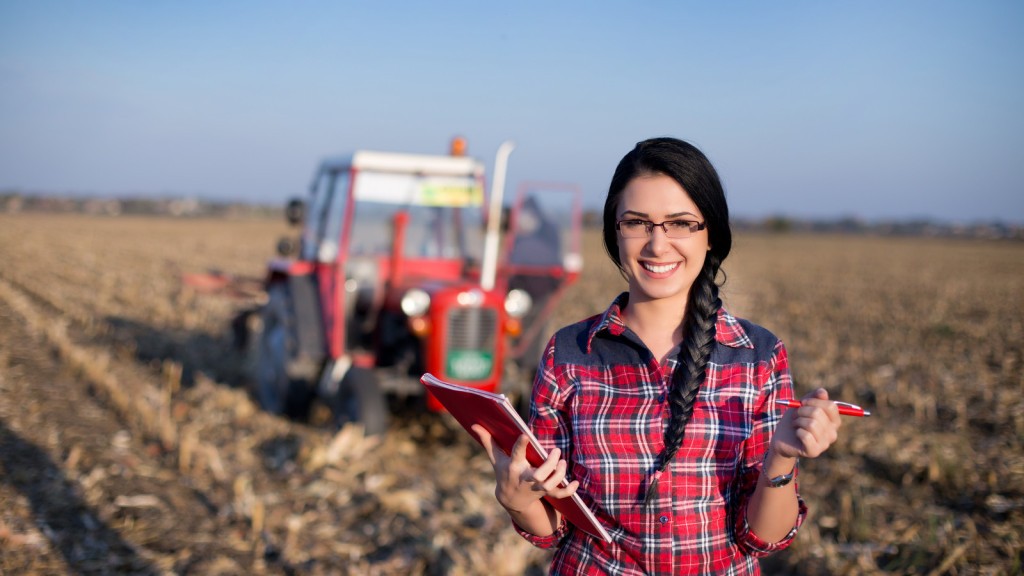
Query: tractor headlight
[
  {"x": 415, "y": 302},
  {"x": 518, "y": 303}
]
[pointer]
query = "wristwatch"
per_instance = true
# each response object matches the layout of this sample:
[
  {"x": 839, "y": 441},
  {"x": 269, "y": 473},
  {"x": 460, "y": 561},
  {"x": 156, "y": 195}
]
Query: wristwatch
[{"x": 780, "y": 481}]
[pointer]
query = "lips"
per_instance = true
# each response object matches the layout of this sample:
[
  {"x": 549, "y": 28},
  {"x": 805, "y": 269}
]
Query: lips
[{"x": 659, "y": 268}]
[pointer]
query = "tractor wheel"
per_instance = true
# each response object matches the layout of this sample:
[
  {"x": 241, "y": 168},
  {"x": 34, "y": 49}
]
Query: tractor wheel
[
  {"x": 271, "y": 345},
  {"x": 360, "y": 400}
]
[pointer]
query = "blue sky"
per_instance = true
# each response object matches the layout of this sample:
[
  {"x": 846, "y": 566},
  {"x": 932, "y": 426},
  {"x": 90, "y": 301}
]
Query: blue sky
[{"x": 870, "y": 109}]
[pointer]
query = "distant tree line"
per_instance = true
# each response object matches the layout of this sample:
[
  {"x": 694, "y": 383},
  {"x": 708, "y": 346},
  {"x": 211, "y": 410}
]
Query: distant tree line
[
  {"x": 14, "y": 202},
  {"x": 850, "y": 225},
  {"x": 913, "y": 227}
]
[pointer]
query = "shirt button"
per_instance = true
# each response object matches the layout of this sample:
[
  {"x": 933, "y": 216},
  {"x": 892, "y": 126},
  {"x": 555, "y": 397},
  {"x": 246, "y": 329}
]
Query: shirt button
[{"x": 663, "y": 519}]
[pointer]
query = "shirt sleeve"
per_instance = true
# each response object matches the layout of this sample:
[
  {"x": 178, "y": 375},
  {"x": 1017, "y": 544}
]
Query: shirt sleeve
[
  {"x": 778, "y": 383},
  {"x": 549, "y": 426}
]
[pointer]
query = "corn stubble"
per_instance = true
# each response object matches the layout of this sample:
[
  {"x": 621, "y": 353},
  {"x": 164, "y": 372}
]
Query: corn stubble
[{"x": 178, "y": 471}]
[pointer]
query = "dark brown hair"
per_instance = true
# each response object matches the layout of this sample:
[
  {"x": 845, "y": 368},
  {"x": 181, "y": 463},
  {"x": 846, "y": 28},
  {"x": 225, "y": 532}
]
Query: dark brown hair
[{"x": 688, "y": 166}]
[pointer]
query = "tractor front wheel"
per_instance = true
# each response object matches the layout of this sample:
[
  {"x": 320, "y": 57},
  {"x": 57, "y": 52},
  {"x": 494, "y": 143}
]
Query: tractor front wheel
[{"x": 360, "y": 400}]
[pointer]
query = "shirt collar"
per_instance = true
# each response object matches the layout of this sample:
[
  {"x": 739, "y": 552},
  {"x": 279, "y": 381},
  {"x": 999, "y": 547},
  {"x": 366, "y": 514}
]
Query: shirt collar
[{"x": 728, "y": 330}]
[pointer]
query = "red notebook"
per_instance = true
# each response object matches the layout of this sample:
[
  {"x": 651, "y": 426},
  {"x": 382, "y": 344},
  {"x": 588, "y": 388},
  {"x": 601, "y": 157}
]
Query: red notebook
[{"x": 495, "y": 413}]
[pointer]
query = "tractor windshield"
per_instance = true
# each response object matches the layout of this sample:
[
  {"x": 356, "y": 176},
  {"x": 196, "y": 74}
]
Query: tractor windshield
[
  {"x": 437, "y": 200},
  {"x": 432, "y": 232}
]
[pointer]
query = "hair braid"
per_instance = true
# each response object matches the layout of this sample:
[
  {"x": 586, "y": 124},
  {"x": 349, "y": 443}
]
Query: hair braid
[{"x": 698, "y": 340}]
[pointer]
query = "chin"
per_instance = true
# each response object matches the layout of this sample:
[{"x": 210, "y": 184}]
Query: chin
[{"x": 662, "y": 292}]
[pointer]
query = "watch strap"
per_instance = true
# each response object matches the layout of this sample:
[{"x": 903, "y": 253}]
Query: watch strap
[{"x": 783, "y": 479}]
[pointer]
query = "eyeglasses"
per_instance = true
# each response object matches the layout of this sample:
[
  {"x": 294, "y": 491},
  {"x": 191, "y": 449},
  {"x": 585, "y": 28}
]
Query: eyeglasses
[{"x": 636, "y": 228}]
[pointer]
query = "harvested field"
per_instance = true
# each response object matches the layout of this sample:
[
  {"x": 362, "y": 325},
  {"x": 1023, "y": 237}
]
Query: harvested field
[{"x": 128, "y": 446}]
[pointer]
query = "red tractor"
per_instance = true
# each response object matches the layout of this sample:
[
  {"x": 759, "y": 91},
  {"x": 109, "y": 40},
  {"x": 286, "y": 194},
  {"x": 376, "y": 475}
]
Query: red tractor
[{"x": 403, "y": 268}]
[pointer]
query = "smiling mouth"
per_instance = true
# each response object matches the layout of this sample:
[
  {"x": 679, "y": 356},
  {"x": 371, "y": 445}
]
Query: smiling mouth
[{"x": 659, "y": 268}]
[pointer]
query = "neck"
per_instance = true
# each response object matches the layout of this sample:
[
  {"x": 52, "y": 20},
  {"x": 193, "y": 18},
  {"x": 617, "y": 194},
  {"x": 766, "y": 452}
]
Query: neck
[{"x": 658, "y": 323}]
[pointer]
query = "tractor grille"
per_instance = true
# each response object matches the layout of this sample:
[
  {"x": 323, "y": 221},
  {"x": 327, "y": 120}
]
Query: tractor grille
[{"x": 472, "y": 328}]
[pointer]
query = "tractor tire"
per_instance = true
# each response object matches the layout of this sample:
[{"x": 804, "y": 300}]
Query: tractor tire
[
  {"x": 360, "y": 400},
  {"x": 272, "y": 340}
]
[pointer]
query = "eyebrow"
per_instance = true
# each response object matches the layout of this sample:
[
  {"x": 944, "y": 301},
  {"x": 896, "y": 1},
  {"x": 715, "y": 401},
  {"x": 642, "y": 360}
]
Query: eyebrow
[{"x": 667, "y": 216}]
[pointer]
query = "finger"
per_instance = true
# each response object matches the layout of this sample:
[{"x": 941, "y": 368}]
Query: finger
[
  {"x": 548, "y": 466},
  {"x": 809, "y": 424},
  {"x": 810, "y": 420},
  {"x": 822, "y": 427},
  {"x": 486, "y": 441},
  {"x": 827, "y": 430},
  {"x": 809, "y": 446},
  {"x": 551, "y": 481},
  {"x": 565, "y": 492},
  {"x": 815, "y": 435}
]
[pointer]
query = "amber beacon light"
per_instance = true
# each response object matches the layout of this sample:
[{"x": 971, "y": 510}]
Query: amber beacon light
[{"x": 458, "y": 147}]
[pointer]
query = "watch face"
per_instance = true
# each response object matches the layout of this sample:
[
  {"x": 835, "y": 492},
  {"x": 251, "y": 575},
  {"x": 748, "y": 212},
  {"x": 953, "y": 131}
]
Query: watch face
[{"x": 780, "y": 481}]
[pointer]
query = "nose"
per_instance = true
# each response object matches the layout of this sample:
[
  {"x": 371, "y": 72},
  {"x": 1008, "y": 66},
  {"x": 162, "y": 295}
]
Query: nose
[{"x": 658, "y": 241}]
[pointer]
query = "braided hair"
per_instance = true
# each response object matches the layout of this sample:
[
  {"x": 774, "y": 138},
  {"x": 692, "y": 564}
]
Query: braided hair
[{"x": 688, "y": 166}]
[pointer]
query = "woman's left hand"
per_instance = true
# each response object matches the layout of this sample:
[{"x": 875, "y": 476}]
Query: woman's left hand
[{"x": 807, "y": 431}]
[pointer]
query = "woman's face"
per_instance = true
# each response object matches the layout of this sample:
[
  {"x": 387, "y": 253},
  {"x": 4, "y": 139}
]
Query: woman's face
[{"x": 656, "y": 266}]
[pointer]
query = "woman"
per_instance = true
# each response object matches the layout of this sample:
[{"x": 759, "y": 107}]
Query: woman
[{"x": 662, "y": 410}]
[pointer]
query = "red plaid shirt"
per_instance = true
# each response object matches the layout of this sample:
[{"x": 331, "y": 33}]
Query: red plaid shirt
[{"x": 600, "y": 397}]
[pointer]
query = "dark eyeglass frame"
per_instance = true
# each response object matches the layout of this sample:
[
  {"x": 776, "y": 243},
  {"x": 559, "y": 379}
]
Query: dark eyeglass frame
[{"x": 691, "y": 228}]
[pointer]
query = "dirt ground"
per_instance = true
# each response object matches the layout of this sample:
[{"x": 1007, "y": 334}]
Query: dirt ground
[
  {"x": 128, "y": 445},
  {"x": 83, "y": 492}
]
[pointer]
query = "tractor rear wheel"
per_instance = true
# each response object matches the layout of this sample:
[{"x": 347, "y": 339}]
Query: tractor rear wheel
[
  {"x": 271, "y": 347},
  {"x": 360, "y": 400}
]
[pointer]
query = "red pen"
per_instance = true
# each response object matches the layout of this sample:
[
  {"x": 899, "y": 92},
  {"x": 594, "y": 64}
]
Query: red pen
[{"x": 844, "y": 407}]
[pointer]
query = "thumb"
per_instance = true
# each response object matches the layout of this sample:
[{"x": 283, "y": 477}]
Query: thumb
[
  {"x": 519, "y": 448},
  {"x": 485, "y": 440},
  {"x": 819, "y": 393}
]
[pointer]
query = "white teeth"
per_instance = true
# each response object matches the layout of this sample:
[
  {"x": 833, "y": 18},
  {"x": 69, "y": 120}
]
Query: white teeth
[{"x": 659, "y": 269}]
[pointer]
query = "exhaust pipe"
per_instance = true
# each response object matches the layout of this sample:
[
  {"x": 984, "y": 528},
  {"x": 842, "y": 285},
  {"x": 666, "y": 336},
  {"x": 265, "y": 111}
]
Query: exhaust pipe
[{"x": 490, "y": 264}]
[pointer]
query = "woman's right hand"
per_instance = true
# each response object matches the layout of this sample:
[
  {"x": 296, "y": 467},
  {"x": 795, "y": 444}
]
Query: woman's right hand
[{"x": 519, "y": 485}]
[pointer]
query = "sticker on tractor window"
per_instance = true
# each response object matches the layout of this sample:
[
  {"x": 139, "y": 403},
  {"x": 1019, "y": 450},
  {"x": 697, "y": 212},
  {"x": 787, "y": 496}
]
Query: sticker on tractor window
[
  {"x": 417, "y": 190},
  {"x": 469, "y": 364},
  {"x": 441, "y": 194}
]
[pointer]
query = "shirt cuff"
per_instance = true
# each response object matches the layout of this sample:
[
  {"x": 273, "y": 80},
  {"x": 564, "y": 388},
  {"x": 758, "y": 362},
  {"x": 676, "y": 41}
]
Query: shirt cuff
[{"x": 550, "y": 541}]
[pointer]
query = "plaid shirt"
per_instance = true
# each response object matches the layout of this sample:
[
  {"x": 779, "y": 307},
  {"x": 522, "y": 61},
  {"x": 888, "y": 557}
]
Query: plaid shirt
[{"x": 601, "y": 397}]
